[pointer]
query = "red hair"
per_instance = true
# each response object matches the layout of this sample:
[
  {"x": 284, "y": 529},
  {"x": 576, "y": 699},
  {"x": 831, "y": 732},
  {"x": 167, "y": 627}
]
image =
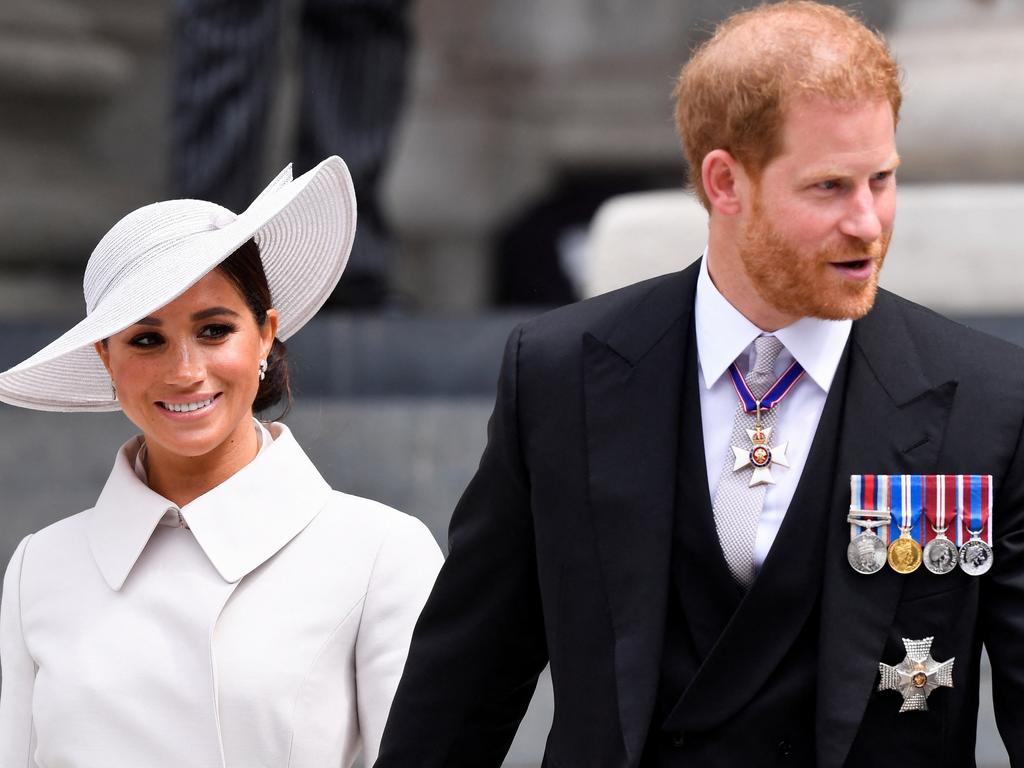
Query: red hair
[{"x": 733, "y": 92}]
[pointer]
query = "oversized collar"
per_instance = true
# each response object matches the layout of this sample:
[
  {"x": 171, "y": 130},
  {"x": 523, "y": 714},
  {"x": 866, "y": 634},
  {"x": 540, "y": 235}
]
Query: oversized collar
[
  {"x": 239, "y": 525},
  {"x": 723, "y": 334}
]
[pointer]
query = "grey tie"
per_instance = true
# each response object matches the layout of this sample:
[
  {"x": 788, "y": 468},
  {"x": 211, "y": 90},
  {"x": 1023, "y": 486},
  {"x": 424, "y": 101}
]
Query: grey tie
[{"x": 737, "y": 506}]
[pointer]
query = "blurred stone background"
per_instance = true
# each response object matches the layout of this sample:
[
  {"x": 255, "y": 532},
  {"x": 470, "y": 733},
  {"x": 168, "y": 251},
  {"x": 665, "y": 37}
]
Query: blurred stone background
[{"x": 523, "y": 117}]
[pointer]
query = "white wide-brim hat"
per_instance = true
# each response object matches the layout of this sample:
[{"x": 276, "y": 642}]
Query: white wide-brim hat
[{"x": 304, "y": 229}]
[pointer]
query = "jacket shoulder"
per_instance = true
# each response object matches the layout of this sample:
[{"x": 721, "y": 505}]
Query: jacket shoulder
[
  {"x": 370, "y": 523},
  {"x": 967, "y": 350}
]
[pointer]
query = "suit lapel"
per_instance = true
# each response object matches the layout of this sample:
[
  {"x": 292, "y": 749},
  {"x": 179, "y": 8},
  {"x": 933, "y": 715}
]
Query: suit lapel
[
  {"x": 632, "y": 380},
  {"x": 894, "y": 420}
]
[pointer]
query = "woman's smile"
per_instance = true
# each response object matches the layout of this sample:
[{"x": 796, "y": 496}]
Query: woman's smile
[{"x": 195, "y": 407}]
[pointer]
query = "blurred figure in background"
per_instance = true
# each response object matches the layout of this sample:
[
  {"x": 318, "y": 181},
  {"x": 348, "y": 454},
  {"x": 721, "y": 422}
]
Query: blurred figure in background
[{"x": 353, "y": 71}]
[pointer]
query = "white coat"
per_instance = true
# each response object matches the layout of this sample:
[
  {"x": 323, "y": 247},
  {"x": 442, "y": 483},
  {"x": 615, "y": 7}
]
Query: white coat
[{"x": 271, "y": 632}]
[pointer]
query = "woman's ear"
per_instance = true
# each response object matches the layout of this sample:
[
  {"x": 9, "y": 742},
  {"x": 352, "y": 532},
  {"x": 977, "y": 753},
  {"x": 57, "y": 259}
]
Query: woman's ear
[
  {"x": 104, "y": 352},
  {"x": 268, "y": 331}
]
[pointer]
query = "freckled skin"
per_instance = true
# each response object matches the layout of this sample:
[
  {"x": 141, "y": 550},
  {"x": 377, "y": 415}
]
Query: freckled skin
[
  {"x": 173, "y": 356},
  {"x": 829, "y": 197}
]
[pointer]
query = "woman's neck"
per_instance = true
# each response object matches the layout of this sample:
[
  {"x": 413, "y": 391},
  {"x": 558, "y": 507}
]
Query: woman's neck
[{"x": 182, "y": 479}]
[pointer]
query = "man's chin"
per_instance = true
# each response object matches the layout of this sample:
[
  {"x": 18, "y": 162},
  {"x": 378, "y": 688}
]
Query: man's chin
[{"x": 847, "y": 307}]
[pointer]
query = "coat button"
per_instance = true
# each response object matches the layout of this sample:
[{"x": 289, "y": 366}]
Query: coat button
[
  {"x": 785, "y": 748},
  {"x": 679, "y": 739}
]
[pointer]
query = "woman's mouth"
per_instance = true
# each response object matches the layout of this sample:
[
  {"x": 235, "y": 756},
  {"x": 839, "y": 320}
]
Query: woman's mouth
[{"x": 186, "y": 407}]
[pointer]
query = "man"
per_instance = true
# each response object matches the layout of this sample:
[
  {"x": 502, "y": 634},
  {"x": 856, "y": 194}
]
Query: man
[{"x": 695, "y": 614}]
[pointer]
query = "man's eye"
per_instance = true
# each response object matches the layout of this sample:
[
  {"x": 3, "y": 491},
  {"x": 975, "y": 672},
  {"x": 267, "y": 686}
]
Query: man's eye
[
  {"x": 146, "y": 340},
  {"x": 215, "y": 331},
  {"x": 882, "y": 176},
  {"x": 828, "y": 185}
]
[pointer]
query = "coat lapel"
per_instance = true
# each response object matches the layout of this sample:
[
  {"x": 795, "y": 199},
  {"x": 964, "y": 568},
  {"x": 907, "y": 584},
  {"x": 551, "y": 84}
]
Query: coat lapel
[
  {"x": 632, "y": 385},
  {"x": 894, "y": 419}
]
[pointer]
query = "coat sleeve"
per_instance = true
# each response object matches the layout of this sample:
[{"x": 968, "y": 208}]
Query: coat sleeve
[
  {"x": 479, "y": 645},
  {"x": 1002, "y": 606},
  {"x": 403, "y": 573},
  {"x": 17, "y": 743}
]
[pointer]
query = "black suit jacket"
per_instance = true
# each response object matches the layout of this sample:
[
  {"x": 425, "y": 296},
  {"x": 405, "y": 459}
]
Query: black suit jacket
[{"x": 560, "y": 550}]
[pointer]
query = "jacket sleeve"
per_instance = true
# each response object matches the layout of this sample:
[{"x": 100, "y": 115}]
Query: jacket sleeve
[
  {"x": 17, "y": 742},
  {"x": 1002, "y": 606},
  {"x": 403, "y": 573},
  {"x": 479, "y": 644}
]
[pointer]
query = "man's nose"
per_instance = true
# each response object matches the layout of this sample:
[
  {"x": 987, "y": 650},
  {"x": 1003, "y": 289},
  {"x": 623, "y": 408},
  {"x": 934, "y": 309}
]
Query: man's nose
[{"x": 862, "y": 219}]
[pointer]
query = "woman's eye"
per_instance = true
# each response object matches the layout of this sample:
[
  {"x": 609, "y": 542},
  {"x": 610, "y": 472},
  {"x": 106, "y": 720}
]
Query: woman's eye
[
  {"x": 146, "y": 340},
  {"x": 215, "y": 331}
]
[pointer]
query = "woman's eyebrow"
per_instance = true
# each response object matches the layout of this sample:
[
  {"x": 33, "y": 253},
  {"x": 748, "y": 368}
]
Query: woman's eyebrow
[{"x": 212, "y": 312}]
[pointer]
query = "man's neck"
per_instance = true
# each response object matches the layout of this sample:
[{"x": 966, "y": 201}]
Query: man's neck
[{"x": 737, "y": 288}]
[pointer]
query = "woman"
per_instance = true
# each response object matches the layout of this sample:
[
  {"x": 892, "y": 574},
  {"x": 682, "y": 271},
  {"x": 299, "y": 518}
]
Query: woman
[{"x": 220, "y": 605}]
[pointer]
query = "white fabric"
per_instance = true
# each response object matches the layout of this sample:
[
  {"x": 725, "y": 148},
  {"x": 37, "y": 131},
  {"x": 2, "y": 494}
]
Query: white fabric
[
  {"x": 273, "y": 633},
  {"x": 173, "y": 516},
  {"x": 725, "y": 336},
  {"x": 304, "y": 229}
]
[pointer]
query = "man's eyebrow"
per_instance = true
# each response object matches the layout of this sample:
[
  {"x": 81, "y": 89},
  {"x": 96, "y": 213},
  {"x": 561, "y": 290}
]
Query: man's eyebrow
[
  {"x": 832, "y": 171},
  {"x": 213, "y": 312}
]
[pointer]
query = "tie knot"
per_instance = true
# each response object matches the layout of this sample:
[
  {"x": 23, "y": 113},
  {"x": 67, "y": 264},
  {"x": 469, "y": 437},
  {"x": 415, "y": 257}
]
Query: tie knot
[{"x": 766, "y": 352}]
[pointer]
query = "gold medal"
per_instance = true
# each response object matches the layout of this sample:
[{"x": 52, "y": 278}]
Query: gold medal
[{"x": 904, "y": 553}]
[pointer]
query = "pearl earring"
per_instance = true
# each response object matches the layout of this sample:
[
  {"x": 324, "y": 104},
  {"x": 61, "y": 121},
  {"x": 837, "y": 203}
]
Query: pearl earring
[{"x": 263, "y": 369}]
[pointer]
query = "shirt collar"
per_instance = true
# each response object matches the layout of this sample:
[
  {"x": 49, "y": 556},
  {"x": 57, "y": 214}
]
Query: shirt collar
[
  {"x": 171, "y": 516},
  {"x": 240, "y": 524},
  {"x": 723, "y": 334}
]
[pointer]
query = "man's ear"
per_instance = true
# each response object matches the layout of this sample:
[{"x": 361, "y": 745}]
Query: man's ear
[{"x": 725, "y": 182}]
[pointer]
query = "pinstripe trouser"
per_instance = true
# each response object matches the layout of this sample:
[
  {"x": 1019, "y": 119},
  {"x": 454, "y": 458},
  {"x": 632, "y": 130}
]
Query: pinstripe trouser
[{"x": 353, "y": 60}]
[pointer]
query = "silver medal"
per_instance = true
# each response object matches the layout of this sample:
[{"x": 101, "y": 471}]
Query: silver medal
[
  {"x": 866, "y": 553},
  {"x": 916, "y": 676},
  {"x": 940, "y": 555},
  {"x": 975, "y": 557}
]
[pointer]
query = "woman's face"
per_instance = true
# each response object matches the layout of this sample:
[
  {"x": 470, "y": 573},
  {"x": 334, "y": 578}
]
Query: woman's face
[{"x": 187, "y": 375}]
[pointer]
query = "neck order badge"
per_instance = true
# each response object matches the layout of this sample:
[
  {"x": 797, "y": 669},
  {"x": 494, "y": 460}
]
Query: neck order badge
[
  {"x": 909, "y": 519},
  {"x": 761, "y": 455}
]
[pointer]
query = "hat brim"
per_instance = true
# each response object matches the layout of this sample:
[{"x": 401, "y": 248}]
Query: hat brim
[{"x": 304, "y": 229}]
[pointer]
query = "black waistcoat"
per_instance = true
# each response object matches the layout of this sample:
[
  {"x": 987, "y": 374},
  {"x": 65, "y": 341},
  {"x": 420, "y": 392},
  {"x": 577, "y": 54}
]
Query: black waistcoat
[{"x": 737, "y": 684}]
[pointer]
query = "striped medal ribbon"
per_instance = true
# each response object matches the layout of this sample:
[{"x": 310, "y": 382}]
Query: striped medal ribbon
[{"x": 974, "y": 495}]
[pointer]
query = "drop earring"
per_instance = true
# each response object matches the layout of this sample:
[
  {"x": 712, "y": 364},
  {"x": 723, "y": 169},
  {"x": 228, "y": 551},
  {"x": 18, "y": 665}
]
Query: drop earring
[
  {"x": 113, "y": 390},
  {"x": 263, "y": 369}
]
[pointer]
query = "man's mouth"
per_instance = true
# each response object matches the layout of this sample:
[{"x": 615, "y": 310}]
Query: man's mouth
[{"x": 857, "y": 268}]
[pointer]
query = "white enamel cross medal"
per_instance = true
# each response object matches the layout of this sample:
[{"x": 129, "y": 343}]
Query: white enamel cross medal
[
  {"x": 917, "y": 675},
  {"x": 760, "y": 455}
]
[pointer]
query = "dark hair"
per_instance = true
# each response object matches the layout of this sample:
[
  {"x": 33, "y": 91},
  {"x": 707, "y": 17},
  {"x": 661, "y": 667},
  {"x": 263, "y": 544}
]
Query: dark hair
[{"x": 244, "y": 268}]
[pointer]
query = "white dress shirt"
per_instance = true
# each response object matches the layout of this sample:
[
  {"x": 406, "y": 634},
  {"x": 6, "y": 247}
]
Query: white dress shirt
[
  {"x": 725, "y": 336},
  {"x": 271, "y": 632}
]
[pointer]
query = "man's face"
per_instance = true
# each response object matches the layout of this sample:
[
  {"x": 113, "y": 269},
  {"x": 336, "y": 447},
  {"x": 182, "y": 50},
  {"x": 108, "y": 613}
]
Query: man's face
[{"x": 820, "y": 221}]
